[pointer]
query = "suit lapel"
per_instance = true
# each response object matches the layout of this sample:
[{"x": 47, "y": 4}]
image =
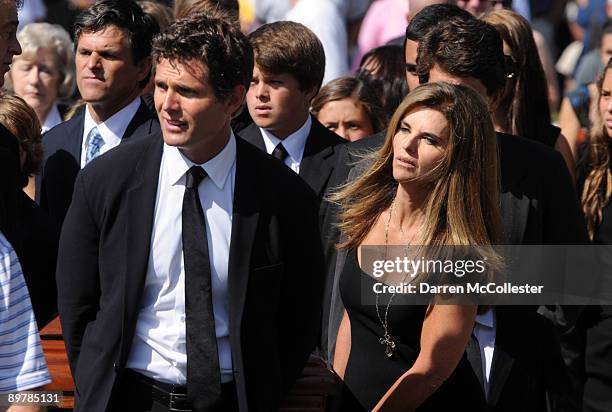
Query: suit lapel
[
  {"x": 514, "y": 203},
  {"x": 502, "y": 360},
  {"x": 74, "y": 146},
  {"x": 314, "y": 167},
  {"x": 474, "y": 357},
  {"x": 140, "y": 208},
  {"x": 252, "y": 134},
  {"x": 142, "y": 115},
  {"x": 244, "y": 224},
  {"x": 515, "y": 211}
]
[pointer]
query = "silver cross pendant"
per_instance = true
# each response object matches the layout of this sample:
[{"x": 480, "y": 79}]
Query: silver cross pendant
[{"x": 389, "y": 343}]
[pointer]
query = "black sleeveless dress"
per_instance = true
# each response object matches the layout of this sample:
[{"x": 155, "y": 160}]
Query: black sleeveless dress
[{"x": 369, "y": 372}]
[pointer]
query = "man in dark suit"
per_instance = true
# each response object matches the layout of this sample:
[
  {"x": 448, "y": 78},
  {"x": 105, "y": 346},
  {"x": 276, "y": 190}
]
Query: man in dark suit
[
  {"x": 9, "y": 169},
  {"x": 289, "y": 67},
  {"x": 210, "y": 307},
  {"x": 539, "y": 206},
  {"x": 113, "y": 64}
]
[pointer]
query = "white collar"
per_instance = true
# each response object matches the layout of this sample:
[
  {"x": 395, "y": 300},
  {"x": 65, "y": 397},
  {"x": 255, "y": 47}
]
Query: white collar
[
  {"x": 53, "y": 119},
  {"x": 294, "y": 143},
  {"x": 218, "y": 168},
  {"x": 113, "y": 128}
]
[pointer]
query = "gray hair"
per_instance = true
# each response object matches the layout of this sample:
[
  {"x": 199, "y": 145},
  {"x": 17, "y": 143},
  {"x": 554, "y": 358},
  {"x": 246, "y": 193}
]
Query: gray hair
[{"x": 35, "y": 36}]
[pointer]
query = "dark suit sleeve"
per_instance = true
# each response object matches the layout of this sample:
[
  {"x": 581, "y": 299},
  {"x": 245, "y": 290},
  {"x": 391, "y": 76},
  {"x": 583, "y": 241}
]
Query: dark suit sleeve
[
  {"x": 302, "y": 289},
  {"x": 565, "y": 225},
  {"x": 77, "y": 271},
  {"x": 331, "y": 235},
  {"x": 564, "y": 221}
]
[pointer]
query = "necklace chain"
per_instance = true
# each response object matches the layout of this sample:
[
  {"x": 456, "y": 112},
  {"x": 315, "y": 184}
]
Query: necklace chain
[{"x": 387, "y": 339}]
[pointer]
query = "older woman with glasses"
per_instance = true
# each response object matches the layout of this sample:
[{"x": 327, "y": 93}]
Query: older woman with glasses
[{"x": 43, "y": 74}]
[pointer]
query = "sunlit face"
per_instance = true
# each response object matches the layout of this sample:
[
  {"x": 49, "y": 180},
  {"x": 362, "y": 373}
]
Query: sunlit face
[
  {"x": 9, "y": 46},
  {"x": 606, "y": 48},
  {"x": 347, "y": 118},
  {"x": 36, "y": 79},
  {"x": 419, "y": 144},
  {"x": 277, "y": 103},
  {"x": 105, "y": 70},
  {"x": 192, "y": 118},
  {"x": 605, "y": 102},
  {"x": 411, "y": 57}
]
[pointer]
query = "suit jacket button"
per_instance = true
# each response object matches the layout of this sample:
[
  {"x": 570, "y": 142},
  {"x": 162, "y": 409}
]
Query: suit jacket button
[{"x": 115, "y": 366}]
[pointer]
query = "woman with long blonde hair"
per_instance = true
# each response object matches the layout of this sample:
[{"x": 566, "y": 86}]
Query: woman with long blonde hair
[
  {"x": 595, "y": 185},
  {"x": 433, "y": 183}
]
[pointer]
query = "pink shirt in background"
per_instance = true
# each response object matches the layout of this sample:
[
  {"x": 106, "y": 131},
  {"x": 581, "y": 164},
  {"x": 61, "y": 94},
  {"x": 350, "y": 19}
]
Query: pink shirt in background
[{"x": 384, "y": 21}]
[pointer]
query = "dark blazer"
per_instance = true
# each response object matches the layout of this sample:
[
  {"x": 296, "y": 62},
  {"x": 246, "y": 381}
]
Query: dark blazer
[
  {"x": 527, "y": 370},
  {"x": 320, "y": 153},
  {"x": 275, "y": 272},
  {"x": 539, "y": 206},
  {"x": 62, "y": 157}
]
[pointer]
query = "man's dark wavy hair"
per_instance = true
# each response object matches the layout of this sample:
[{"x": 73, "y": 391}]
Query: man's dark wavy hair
[
  {"x": 220, "y": 46},
  {"x": 125, "y": 15},
  {"x": 430, "y": 17},
  {"x": 465, "y": 48}
]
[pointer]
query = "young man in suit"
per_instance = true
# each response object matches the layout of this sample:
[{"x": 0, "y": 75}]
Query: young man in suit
[
  {"x": 289, "y": 67},
  {"x": 113, "y": 64},
  {"x": 212, "y": 306}
]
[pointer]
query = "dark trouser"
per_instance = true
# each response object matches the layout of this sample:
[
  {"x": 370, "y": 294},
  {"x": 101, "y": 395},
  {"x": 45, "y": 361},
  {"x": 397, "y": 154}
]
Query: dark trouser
[{"x": 138, "y": 393}]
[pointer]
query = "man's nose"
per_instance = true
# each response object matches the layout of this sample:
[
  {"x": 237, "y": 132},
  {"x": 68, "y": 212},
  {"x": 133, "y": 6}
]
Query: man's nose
[
  {"x": 93, "y": 60},
  {"x": 170, "y": 102},
  {"x": 34, "y": 75}
]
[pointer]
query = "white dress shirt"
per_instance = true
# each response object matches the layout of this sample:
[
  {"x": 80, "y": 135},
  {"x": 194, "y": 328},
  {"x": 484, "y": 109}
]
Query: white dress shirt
[
  {"x": 111, "y": 130},
  {"x": 159, "y": 346},
  {"x": 294, "y": 144},
  {"x": 53, "y": 119},
  {"x": 484, "y": 330}
]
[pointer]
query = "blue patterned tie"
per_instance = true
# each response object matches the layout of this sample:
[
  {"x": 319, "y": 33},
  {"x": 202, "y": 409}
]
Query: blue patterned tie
[{"x": 94, "y": 143}]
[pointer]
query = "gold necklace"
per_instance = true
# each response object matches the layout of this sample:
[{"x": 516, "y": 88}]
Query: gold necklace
[{"x": 387, "y": 339}]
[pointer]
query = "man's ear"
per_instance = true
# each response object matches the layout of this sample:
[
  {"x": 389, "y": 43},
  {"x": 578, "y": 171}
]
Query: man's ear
[
  {"x": 235, "y": 99},
  {"x": 145, "y": 66},
  {"x": 311, "y": 93}
]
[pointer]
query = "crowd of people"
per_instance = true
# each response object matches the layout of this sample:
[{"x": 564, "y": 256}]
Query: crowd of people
[{"x": 296, "y": 136}]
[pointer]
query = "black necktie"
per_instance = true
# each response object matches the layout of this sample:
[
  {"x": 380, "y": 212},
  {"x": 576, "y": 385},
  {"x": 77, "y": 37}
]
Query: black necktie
[
  {"x": 280, "y": 152},
  {"x": 203, "y": 374}
]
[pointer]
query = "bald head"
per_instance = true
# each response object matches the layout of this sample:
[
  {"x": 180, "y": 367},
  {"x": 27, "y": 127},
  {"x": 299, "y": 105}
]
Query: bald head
[{"x": 415, "y": 6}]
